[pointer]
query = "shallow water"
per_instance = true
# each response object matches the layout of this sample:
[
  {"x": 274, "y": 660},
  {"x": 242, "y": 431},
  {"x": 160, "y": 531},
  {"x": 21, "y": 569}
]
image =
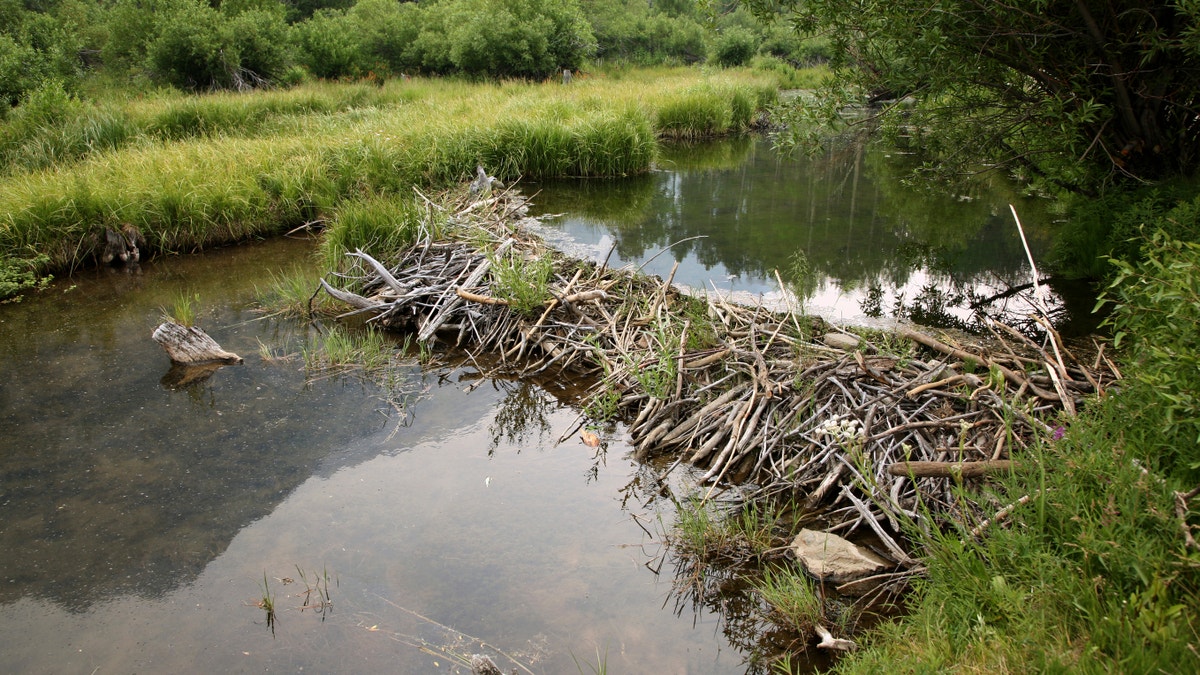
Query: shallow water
[
  {"x": 140, "y": 521},
  {"x": 732, "y": 213}
]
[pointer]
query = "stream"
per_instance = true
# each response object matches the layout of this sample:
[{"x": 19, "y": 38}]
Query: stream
[{"x": 144, "y": 523}]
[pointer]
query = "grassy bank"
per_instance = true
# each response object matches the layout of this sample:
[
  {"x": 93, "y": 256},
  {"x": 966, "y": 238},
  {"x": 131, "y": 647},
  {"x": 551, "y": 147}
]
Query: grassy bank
[
  {"x": 1097, "y": 568},
  {"x": 190, "y": 172}
]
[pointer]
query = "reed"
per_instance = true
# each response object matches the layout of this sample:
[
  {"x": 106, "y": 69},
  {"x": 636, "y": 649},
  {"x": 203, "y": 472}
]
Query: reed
[
  {"x": 290, "y": 293},
  {"x": 792, "y": 599}
]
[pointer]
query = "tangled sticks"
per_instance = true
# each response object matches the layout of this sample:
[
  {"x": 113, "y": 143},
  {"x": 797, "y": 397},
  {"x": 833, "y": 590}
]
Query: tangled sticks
[{"x": 869, "y": 432}]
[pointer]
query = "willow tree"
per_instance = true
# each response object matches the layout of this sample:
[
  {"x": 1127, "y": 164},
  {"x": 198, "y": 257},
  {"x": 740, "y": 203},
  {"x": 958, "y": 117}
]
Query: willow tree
[{"x": 1075, "y": 92}]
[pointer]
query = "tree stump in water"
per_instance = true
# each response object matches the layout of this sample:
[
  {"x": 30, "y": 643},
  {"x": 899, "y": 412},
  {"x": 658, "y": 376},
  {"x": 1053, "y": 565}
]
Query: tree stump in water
[
  {"x": 190, "y": 346},
  {"x": 121, "y": 246}
]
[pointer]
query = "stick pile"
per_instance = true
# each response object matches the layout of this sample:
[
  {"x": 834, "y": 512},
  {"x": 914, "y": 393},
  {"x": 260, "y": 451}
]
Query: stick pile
[{"x": 869, "y": 431}]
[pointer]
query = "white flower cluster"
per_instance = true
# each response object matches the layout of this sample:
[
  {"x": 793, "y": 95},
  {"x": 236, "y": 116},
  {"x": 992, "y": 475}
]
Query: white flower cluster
[{"x": 843, "y": 429}]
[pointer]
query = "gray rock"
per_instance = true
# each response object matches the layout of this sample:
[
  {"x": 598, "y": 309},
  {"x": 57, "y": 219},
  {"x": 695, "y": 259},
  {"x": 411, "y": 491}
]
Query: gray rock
[
  {"x": 830, "y": 558},
  {"x": 841, "y": 341}
]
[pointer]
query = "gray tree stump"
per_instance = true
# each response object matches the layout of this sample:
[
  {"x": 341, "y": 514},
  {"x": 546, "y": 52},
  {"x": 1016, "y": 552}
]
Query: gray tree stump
[{"x": 191, "y": 346}]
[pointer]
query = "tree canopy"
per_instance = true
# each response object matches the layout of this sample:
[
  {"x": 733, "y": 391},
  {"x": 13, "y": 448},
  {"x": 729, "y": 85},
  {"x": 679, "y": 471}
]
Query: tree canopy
[{"x": 1078, "y": 92}]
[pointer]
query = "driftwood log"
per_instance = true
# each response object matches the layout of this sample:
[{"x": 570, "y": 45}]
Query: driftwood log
[
  {"x": 190, "y": 346},
  {"x": 950, "y": 469}
]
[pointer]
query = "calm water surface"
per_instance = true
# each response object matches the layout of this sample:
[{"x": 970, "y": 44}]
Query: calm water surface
[
  {"x": 732, "y": 213},
  {"x": 139, "y": 520}
]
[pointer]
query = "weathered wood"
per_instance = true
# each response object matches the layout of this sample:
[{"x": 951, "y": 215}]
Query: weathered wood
[
  {"x": 189, "y": 345},
  {"x": 121, "y": 247},
  {"x": 950, "y": 469}
]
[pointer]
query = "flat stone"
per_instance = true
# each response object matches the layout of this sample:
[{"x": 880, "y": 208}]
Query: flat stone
[
  {"x": 830, "y": 558},
  {"x": 841, "y": 341}
]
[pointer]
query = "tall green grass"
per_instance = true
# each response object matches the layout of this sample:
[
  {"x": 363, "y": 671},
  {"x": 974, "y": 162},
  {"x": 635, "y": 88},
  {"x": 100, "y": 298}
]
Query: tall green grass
[
  {"x": 218, "y": 168},
  {"x": 1093, "y": 571},
  {"x": 382, "y": 225}
]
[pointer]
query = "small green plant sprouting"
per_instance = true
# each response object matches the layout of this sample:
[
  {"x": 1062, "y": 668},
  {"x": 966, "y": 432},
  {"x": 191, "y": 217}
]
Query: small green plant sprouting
[
  {"x": 793, "y": 599},
  {"x": 425, "y": 352},
  {"x": 183, "y": 309},
  {"x": 267, "y": 604},
  {"x": 603, "y": 404},
  {"x": 17, "y": 276},
  {"x": 316, "y": 593},
  {"x": 290, "y": 293},
  {"x": 658, "y": 373},
  {"x": 601, "y": 666},
  {"x": 525, "y": 284}
]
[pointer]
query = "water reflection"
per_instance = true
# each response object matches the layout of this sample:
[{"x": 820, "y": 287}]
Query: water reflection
[
  {"x": 141, "y": 522},
  {"x": 733, "y": 213}
]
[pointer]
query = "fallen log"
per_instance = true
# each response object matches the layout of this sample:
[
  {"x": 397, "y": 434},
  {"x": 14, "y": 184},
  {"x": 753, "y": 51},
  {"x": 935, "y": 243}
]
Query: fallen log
[
  {"x": 950, "y": 469},
  {"x": 190, "y": 346}
]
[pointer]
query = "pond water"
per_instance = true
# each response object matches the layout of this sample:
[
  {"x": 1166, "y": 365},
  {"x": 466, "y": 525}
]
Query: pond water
[
  {"x": 143, "y": 521},
  {"x": 732, "y": 213}
]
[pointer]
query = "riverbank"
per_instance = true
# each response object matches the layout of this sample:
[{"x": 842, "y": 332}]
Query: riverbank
[{"x": 194, "y": 172}]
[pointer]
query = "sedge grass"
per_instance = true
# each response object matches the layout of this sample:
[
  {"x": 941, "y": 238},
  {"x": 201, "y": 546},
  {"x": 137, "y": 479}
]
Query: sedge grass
[
  {"x": 792, "y": 598},
  {"x": 384, "y": 225},
  {"x": 525, "y": 284},
  {"x": 214, "y": 187},
  {"x": 292, "y": 293}
]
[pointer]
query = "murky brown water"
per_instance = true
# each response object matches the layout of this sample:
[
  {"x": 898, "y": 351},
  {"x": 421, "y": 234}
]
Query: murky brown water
[{"x": 139, "y": 521}]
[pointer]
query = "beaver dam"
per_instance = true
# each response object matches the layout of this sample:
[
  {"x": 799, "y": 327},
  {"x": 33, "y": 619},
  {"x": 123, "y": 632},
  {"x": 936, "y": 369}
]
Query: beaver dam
[{"x": 870, "y": 434}]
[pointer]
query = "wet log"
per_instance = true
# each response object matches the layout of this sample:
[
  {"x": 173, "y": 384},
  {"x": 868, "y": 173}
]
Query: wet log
[
  {"x": 950, "y": 469},
  {"x": 190, "y": 346}
]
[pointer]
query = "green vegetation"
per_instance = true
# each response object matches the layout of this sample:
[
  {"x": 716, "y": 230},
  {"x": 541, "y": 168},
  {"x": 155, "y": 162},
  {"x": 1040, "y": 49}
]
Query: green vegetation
[
  {"x": 254, "y": 164},
  {"x": 18, "y": 276},
  {"x": 383, "y": 225},
  {"x": 525, "y": 284},
  {"x": 291, "y": 292},
  {"x": 183, "y": 309},
  {"x": 1096, "y": 569},
  {"x": 201, "y": 45},
  {"x": 1092, "y": 103}
]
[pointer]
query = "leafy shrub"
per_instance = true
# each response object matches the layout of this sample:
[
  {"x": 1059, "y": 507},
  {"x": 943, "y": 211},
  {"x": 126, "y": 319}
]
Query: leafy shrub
[
  {"x": 192, "y": 51},
  {"x": 260, "y": 39},
  {"x": 518, "y": 38},
  {"x": 629, "y": 31},
  {"x": 35, "y": 48},
  {"x": 18, "y": 276},
  {"x": 1156, "y": 315},
  {"x": 329, "y": 45},
  {"x": 735, "y": 47},
  {"x": 386, "y": 31},
  {"x": 1113, "y": 226}
]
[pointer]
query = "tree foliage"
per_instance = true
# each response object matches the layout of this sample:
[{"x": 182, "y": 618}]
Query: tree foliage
[
  {"x": 1078, "y": 92},
  {"x": 36, "y": 48}
]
